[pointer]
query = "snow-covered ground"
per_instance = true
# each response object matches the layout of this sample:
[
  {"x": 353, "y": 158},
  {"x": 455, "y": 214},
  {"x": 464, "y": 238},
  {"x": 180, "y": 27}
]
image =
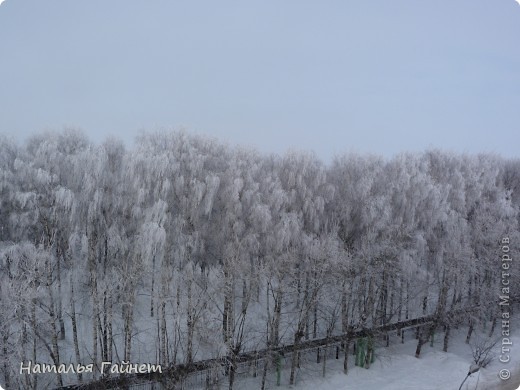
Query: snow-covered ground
[{"x": 396, "y": 368}]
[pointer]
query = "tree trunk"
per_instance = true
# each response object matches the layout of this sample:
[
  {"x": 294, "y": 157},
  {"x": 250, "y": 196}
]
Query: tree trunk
[
  {"x": 422, "y": 339},
  {"x": 392, "y": 297},
  {"x": 315, "y": 308},
  {"x": 33, "y": 320},
  {"x": 297, "y": 338},
  {"x": 110, "y": 337},
  {"x": 60, "y": 303},
  {"x": 93, "y": 290},
  {"x": 298, "y": 287},
  {"x": 153, "y": 286},
  {"x": 232, "y": 370},
  {"x": 493, "y": 325},
  {"x": 400, "y": 305},
  {"x": 226, "y": 313},
  {"x": 52, "y": 315},
  {"x": 470, "y": 331},
  {"x": 305, "y": 303},
  {"x": 446, "y": 338},
  {"x": 315, "y": 320},
  {"x": 470, "y": 290},
  {"x": 344, "y": 313},
  {"x": 345, "y": 360},
  {"x": 162, "y": 339},
  {"x": 267, "y": 360},
  {"x": 420, "y": 343},
  {"x": 324, "y": 367},
  {"x": 407, "y": 300},
  {"x": 369, "y": 312},
  {"x": 190, "y": 323},
  {"x": 104, "y": 333},
  {"x": 277, "y": 316},
  {"x": 5, "y": 358},
  {"x": 75, "y": 326}
]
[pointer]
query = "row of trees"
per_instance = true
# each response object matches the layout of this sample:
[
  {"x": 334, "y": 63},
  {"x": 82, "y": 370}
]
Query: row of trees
[{"x": 184, "y": 248}]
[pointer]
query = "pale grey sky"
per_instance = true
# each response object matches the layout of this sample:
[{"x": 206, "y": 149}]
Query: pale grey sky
[{"x": 329, "y": 76}]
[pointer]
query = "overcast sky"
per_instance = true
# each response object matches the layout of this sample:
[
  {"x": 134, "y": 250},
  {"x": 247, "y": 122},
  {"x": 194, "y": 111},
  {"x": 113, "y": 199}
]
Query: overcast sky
[{"x": 329, "y": 76}]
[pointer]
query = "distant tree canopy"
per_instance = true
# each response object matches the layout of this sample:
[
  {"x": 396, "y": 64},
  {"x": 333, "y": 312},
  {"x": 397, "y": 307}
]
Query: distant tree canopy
[{"x": 184, "y": 248}]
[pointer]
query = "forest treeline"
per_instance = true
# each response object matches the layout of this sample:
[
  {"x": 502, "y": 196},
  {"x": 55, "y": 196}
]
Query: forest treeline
[{"x": 183, "y": 248}]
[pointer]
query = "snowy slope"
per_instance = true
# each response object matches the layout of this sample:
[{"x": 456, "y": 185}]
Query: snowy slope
[{"x": 396, "y": 368}]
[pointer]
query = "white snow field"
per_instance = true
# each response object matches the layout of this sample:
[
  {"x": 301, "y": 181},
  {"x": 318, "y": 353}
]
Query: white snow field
[{"x": 396, "y": 368}]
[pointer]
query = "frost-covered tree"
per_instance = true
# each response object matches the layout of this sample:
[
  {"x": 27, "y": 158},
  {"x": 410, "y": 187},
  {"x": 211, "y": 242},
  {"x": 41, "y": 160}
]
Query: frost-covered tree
[{"x": 183, "y": 248}]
